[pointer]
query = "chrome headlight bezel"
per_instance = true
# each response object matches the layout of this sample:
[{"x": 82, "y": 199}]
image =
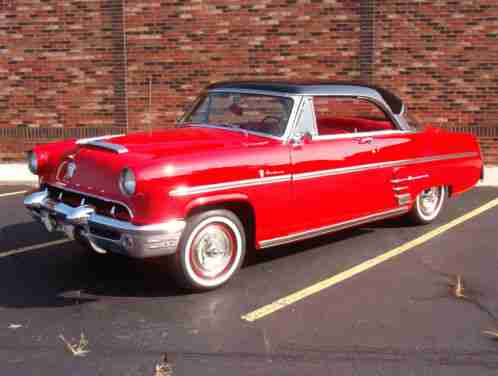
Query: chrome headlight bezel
[
  {"x": 127, "y": 182},
  {"x": 70, "y": 170},
  {"x": 32, "y": 160}
]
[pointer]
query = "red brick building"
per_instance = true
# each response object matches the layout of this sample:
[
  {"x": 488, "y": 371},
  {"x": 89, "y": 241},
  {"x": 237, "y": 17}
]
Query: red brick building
[{"x": 75, "y": 68}]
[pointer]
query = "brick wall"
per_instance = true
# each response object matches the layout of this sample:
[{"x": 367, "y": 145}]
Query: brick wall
[
  {"x": 441, "y": 57},
  {"x": 186, "y": 45},
  {"x": 55, "y": 68},
  {"x": 489, "y": 149},
  {"x": 101, "y": 63}
]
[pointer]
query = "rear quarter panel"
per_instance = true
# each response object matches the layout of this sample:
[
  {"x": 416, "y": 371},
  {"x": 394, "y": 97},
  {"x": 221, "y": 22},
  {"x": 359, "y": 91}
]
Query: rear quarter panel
[{"x": 460, "y": 171}]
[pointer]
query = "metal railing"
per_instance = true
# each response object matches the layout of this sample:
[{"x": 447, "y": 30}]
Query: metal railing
[
  {"x": 34, "y": 134},
  {"x": 478, "y": 131},
  {"x": 29, "y": 136}
]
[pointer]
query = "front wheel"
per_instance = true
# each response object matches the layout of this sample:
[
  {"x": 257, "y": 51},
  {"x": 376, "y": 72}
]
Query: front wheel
[
  {"x": 428, "y": 205},
  {"x": 211, "y": 250}
]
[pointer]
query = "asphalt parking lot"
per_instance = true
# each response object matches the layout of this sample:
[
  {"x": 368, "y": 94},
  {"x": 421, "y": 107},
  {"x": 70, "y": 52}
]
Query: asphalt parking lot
[{"x": 401, "y": 316}]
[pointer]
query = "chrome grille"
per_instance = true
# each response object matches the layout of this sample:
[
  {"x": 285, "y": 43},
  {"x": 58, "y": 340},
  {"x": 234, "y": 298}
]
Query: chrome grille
[{"x": 102, "y": 207}]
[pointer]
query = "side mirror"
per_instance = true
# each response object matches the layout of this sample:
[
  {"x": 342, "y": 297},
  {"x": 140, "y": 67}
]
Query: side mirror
[{"x": 300, "y": 138}]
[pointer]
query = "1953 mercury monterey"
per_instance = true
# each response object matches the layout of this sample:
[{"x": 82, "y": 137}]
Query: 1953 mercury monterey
[{"x": 251, "y": 165}]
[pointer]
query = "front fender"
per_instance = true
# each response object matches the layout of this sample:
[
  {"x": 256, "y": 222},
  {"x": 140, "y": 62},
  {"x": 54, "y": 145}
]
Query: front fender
[{"x": 213, "y": 200}]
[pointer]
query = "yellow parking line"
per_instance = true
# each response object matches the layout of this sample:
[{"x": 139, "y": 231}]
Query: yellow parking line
[
  {"x": 12, "y": 193},
  {"x": 33, "y": 247},
  {"x": 313, "y": 289}
]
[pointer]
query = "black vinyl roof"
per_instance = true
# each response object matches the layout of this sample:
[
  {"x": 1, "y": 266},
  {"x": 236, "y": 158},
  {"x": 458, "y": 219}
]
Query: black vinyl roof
[{"x": 314, "y": 88}]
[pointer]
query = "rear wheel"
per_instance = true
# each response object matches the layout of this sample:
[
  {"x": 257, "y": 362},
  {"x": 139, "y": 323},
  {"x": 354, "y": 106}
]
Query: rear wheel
[
  {"x": 428, "y": 205},
  {"x": 211, "y": 250}
]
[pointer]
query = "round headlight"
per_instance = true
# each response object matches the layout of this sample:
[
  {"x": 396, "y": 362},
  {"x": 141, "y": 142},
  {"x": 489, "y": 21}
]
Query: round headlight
[
  {"x": 127, "y": 182},
  {"x": 70, "y": 170},
  {"x": 32, "y": 162}
]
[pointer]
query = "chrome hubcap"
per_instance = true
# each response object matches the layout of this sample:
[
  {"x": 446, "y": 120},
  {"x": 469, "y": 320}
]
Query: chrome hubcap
[
  {"x": 429, "y": 200},
  {"x": 212, "y": 250}
]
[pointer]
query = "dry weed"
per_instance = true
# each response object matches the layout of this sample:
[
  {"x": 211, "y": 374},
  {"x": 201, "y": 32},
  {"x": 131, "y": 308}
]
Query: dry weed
[
  {"x": 79, "y": 349},
  {"x": 164, "y": 368}
]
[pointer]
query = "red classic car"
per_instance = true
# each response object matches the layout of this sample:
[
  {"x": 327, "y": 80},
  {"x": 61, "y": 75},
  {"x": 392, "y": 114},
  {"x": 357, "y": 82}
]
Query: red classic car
[{"x": 251, "y": 165}]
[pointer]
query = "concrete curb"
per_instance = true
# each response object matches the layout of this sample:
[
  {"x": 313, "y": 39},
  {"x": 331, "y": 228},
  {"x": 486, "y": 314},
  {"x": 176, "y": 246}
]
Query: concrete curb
[
  {"x": 19, "y": 174},
  {"x": 16, "y": 174},
  {"x": 490, "y": 177}
]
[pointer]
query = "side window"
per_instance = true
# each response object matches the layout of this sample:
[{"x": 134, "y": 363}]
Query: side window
[
  {"x": 306, "y": 120},
  {"x": 343, "y": 115}
]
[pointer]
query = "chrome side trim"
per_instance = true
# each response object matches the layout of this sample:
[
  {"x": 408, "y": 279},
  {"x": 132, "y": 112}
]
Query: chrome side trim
[
  {"x": 332, "y": 228},
  {"x": 187, "y": 191},
  {"x": 120, "y": 149},
  {"x": 64, "y": 188},
  {"x": 371, "y": 166},
  {"x": 397, "y": 189},
  {"x": 403, "y": 199},
  {"x": 361, "y": 134},
  {"x": 409, "y": 178}
]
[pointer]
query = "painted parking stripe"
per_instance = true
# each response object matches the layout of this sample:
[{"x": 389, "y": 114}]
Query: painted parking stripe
[
  {"x": 12, "y": 193},
  {"x": 364, "y": 266},
  {"x": 33, "y": 247}
]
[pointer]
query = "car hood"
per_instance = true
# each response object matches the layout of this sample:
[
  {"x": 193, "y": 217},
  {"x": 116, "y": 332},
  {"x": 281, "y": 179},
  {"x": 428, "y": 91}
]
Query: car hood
[
  {"x": 180, "y": 140},
  {"x": 100, "y": 162}
]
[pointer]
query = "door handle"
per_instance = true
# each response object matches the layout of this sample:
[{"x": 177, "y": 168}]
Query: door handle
[{"x": 365, "y": 140}]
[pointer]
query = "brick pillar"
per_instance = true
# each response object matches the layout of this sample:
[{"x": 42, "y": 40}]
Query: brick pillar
[
  {"x": 367, "y": 27},
  {"x": 114, "y": 9}
]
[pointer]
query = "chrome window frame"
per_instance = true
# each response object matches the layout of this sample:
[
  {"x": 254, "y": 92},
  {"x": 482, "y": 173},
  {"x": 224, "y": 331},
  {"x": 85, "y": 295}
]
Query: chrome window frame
[
  {"x": 300, "y": 114},
  {"x": 296, "y": 99},
  {"x": 298, "y": 106},
  {"x": 379, "y": 103}
]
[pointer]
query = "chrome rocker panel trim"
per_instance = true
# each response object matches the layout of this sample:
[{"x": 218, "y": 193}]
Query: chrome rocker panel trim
[
  {"x": 187, "y": 191},
  {"x": 81, "y": 222},
  {"x": 373, "y": 166},
  {"x": 332, "y": 228}
]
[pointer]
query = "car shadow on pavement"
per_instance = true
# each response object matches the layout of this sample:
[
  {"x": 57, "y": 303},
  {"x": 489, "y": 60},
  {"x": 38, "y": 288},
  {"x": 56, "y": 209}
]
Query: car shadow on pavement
[{"x": 68, "y": 274}]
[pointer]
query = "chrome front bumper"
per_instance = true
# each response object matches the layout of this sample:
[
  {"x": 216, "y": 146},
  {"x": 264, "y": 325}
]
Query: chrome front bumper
[{"x": 102, "y": 233}]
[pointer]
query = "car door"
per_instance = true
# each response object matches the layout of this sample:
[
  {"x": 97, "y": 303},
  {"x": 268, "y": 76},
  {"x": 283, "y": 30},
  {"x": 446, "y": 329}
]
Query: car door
[{"x": 337, "y": 172}]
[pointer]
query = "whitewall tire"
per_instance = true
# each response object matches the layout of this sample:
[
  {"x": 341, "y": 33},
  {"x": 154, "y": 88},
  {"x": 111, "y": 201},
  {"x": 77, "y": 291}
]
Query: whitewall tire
[
  {"x": 428, "y": 205},
  {"x": 211, "y": 250}
]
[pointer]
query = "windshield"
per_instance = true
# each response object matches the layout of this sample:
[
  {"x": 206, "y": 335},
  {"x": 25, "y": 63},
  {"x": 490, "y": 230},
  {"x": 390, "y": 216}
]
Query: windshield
[{"x": 258, "y": 113}]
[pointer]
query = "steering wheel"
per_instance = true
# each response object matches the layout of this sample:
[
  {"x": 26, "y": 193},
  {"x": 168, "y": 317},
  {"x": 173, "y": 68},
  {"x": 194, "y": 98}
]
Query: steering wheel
[{"x": 272, "y": 124}]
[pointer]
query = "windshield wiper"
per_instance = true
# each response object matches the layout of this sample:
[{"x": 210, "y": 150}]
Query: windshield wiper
[{"x": 227, "y": 125}]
